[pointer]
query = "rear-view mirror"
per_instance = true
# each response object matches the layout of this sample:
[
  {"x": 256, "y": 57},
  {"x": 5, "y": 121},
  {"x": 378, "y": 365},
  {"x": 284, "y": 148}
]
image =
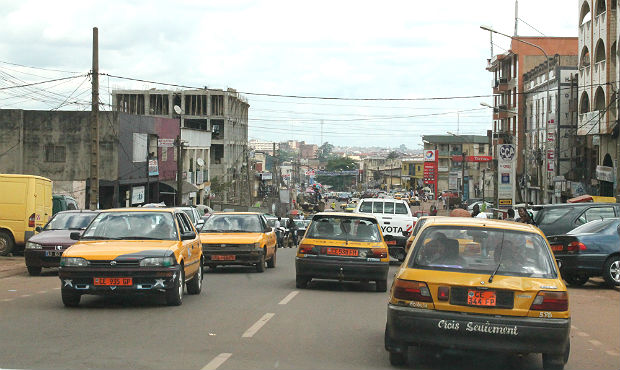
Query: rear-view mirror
[
  {"x": 75, "y": 235},
  {"x": 38, "y": 229},
  {"x": 188, "y": 236}
]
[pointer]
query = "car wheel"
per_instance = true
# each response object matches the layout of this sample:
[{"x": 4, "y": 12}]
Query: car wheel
[
  {"x": 194, "y": 286},
  {"x": 381, "y": 285},
  {"x": 34, "y": 270},
  {"x": 174, "y": 295},
  {"x": 301, "y": 282},
  {"x": 556, "y": 362},
  {"x": 260, "y": 266},
  {"x": 576, "y": 279},
  {"x": 271, "y": 263},
  {"x": 6, "y": 244},
  {"x": 398, "y": 358},
  {"x": 611, "y": 271},
  {"x": 70, "y": 298}
]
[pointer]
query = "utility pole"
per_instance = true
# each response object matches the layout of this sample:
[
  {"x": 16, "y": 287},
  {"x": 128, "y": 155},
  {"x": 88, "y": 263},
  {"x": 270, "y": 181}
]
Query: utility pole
[
  {"x": 247, "y": 169},
  {"x": 516, "y": 16},
  {"x": 179, "y": 146},
  {"x": 464, "y": 154},
  {"x": 322, "y": 133},
  {"x": 94, "y": 127},
  {"x": 148, "y": 177}
]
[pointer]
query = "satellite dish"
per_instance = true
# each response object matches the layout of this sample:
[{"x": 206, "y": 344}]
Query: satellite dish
[
  {"x": 177, "y": 109},
  {"x": 200, "y": 162}
]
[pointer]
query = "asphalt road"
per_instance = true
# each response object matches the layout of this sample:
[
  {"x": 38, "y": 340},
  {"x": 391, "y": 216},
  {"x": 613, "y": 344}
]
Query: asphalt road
[{"x": 249, "y": 320}]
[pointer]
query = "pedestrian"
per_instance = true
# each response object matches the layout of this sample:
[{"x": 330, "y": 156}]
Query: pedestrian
[
  {"x": 292, "y": 229},
  {"x": 476, "y": 212},
  {"x": 511, "y": 215},
  {"x": 525, "y": 217},
  {"x": 433, "y": 211},
  {"x": 443, "y": 200}
]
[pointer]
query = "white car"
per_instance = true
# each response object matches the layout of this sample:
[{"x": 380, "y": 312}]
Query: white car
[{"x": 479, "y": 203}]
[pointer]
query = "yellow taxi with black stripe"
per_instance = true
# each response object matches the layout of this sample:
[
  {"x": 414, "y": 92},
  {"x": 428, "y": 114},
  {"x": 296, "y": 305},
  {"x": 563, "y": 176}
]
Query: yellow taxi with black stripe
[
  {"x": 345, "y": 247},
  {"x": 238, "y": 238},
  {"x": 479, "y": 284},
  {"x": 133, "y": 250}
]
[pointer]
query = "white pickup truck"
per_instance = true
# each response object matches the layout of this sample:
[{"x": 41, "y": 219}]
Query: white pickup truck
[{"x": 394, "y": 217}]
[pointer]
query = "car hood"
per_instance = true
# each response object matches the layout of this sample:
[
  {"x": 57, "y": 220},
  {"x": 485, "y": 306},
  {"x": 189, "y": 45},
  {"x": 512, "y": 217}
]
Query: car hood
[
  {"x": 54, "y": 237},
  {"x": 230, "y": 238},
  {"x": 111, "y": 249}
]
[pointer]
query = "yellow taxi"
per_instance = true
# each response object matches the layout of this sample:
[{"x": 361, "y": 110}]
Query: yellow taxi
[
  {"x": 133, "y": 250},
  {"x": 507, "y": 297},
  {"x": 238, "y": 238},
  {"x": 345, "y": 247}
]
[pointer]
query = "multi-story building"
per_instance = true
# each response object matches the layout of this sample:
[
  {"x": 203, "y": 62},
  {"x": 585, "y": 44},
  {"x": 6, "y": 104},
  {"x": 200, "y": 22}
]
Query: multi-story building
[
  {"x": 598, "y": 86},
  {"x": 508, "y": 70},
  {"x": 552, "y": 150},
  {"x": 263, "y": 146},
  {"x": 214, "y": 127},
  {"x": 308, "y": 150},
  {"x": 450, "y": 150},
  {"x": 412, "y": 172}
]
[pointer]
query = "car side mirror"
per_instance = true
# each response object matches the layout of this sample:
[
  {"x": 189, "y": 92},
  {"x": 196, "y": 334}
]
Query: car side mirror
[
  {"x": 199, "y": 224},
  {"x": 75, "y": 235},
  {"x": 38, "y": 229},
  {"x": 188, "y": 235}
]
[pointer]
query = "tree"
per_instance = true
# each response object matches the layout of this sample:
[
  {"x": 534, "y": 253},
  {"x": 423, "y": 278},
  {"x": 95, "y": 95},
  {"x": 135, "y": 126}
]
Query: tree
[
  {"x": 325, "y": 151},
  {"x": 393, "y": 155},
  {"x": 340, "y": 182},
  {"x": 285, "y": 155}
]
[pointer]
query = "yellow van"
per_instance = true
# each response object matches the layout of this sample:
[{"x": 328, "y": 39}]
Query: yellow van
[{"x": 25, "y": 203}]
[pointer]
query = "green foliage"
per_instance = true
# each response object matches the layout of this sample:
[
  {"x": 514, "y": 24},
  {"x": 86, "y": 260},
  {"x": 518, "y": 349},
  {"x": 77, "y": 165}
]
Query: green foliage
[
  {"x": 218, "y": 186},
  {"x": 285, "y": 155},
  {"x": 343, "y": 182},
  {"x": 393, "y": 155},
  {"x": 325, "y": 152}
]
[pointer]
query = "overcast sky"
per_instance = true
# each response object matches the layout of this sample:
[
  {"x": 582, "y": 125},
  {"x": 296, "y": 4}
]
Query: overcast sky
[{"x": 340, "y": 49}]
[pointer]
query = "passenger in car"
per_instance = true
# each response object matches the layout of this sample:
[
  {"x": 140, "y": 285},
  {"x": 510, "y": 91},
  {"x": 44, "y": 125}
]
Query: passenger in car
[{"x": 451, "y": 254}]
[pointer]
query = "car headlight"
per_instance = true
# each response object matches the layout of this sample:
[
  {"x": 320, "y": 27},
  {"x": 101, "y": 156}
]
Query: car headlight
[
  {"x": 73, "y": 262},
  {"x": 31, "y": 245},
  {"x": 157, "y": 262}
]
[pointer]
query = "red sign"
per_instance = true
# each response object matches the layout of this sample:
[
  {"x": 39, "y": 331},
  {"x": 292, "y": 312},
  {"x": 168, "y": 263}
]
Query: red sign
[{"x": 472, "y": 158}]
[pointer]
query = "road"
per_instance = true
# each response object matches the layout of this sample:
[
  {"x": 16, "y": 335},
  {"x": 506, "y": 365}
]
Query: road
[{"x": 249, "y": 320}]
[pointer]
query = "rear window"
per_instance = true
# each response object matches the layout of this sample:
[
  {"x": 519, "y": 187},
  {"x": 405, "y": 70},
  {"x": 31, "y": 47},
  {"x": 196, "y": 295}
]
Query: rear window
[
  {"x": 593, "y": 226},
  {"x": 401, "y": 209},
  {"x": 596, "y": 213},
  {"x": 377, "y": 207},
  {"x": 481, "y": 251},
  {"x": 344, "y": 228},
  {"x": 366, "y": 207},
  {"x": 388, "y": 208},
  {"x": 551, "y": 215}
]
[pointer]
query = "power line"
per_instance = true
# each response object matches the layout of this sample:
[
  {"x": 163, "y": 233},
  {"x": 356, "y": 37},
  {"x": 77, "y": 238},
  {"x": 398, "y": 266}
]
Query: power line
[
  {"x": 40, "y": 68},
  {"x": 42, "y": 82}
]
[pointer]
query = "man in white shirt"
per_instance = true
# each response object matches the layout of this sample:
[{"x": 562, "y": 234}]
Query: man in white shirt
[{"x": 477, "y": 214}]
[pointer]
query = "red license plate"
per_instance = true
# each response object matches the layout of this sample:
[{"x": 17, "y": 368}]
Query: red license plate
[
  {"x": 391, "y": 242},
  {"x": 342, "y": 252},
  {"x": 481, "y": 298},
  {"x": 113, "y": 281},
  {"x": 223, "y": 257},
  {"x": 557, "y": 247}
]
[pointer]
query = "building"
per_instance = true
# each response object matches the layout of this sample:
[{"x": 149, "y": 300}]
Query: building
[
  {"x": 56, "y": 145},
  {"x": 508, "y": 87},
  {"x": 263, "y": 146},
  {"x": 598, "y": 99},
  {"x": 214, "y": 128},
  {"x": 308, "y": 151},
  {"x": 552, "y": 149},
  {"x": 412, "y": 172},
  {"x": 450, "y": 172}
]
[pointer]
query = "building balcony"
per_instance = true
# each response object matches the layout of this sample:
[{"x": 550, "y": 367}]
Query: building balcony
[
  {"x": 502, "y": 85},
  {"x": 502, "y": 111}
]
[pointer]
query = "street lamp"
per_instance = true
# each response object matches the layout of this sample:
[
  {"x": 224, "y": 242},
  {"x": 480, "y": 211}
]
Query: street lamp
[
  {"x": 548, "y": 83},
  {"x": 179, "y": 198}
]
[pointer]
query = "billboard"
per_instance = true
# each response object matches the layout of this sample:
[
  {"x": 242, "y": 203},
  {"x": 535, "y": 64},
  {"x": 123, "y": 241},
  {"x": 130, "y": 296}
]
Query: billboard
[{"x": 506, "y": 175}]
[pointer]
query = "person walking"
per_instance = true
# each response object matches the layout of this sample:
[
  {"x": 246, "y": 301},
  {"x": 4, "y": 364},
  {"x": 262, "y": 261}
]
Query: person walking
[
  {"x": 476, "y": 212},
  {"x": 292, "y": 229},
  {"x": 525, "y": 217}
]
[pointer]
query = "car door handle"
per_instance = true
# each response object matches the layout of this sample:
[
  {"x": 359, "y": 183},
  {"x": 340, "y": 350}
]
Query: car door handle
[
  {"x": 387, "y": 218},
  {"x": 387, "y": 223}
]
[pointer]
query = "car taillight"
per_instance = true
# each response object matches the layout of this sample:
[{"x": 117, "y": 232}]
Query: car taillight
[
  {"x": 306, "y": 249},
  {"x": 443, "y": 293},
  {"x": 557, "y": 247},
  {"x": 550, "y": 301},
  {"x": 576, "y": 246},
  {"x": 31, "y": 220},
  {"x": 412, "y": 291},
  {"x": 379, "y": 252}
]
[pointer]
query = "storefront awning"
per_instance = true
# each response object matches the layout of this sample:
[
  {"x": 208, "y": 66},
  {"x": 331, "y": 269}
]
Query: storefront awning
[{"x": 187, "y": 187}]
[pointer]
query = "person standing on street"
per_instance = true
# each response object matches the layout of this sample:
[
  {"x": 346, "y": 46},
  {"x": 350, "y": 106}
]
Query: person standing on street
[
  {"x": 476, "y": 212},
  {"x": 292, "y": 229},
  {"x": 525, "y": 217},
  {"x": 433, "y": 211},
  {"x": 511, "y": 215}
]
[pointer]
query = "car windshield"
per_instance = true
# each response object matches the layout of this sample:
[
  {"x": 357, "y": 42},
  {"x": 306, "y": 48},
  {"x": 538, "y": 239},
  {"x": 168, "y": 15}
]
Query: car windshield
[
  {"x": 551, "y": 215},
  {"x": 344, "y": 228},
  {"x": 302, "y": 224},
  {"x": 132, "y": 225},
  {"x": 481, "y": 250},
  {"x": 226, "y": 223},
  {"x": 70, "y": 221},
  {"x": 595, "y": 226}
]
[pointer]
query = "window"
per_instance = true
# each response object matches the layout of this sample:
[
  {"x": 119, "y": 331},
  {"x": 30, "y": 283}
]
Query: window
[
  {"x": 55, "y": 153},
  {"x": 401, "y": 209},
  {"x": 549, "y": 216},
  {"x": 366, "y": 207},
  {"x": 184, "y": 223},
  {"x": 595, "y": 213},
  {"x": 377, "y": 207},
  {"x": 388, "y": 208}
]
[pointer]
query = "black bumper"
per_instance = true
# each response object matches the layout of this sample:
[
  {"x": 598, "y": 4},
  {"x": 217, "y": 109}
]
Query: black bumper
[
  {"x": 590, "y": 264},
  {"x": 413, "y": 326},
  {"x": 144, "y": 280},
  {"x": 316, "y": 267},
  {"x": 243, "y": 256}
]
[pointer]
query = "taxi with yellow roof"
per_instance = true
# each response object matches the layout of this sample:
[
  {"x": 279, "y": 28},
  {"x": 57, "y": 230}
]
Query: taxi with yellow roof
[
  {"x": 507, "y": 295},
  {"x": 238, "y": 238},
  {"x": 133, "y": 250},
  {"x": 345, "y": 247}
]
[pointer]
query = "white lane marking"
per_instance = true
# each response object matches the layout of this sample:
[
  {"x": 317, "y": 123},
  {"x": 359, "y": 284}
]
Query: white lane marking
[
  {"x": 56, "y": 288},
  {"x": 42, "y": 291},
  {"x": 7, "y": 299},
  {"x": 217, "y": 361},
  {"x": 257, "y": 325},
  {"x": 290, "y": 296},
  {"x": 25, "y": 295},
  {"x": 612, "y": 353},
  {"x": 582, "y": 334},
  {"x": 595, "y": 342}
]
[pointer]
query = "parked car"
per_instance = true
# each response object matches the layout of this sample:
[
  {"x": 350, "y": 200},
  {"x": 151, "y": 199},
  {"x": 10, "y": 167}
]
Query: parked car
[
  {"x": 480, "y": 203},
  {"x": 342, "y": 246},
  {"x": 133, "y": 251},
  {"x": 26, "y": 203},
  {"x": 475, "y": 284},
  {"x": 559, "y": 219},
  {"x": 63, "y": 203},
  {"x": 194, "y": 216},
  {"x": 45, "y": 248},
  {"x": 592, "y": 249},
  {"x": 238, "y": 238}
]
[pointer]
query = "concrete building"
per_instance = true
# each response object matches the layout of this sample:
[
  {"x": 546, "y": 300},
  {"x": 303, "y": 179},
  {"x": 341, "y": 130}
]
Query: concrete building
[
  {"x": 508, "y": 88},
  {"x": 412, "y": 172},
  {"x": 214, "y": 127},
  {"x": 598, "y": 86},
  {"x": 552, "y": 150},
  {"x": 478, "y": 170},
  {"x": 263, "y": 146},
  {"x": 308, "y": 151},
  {"x": 56, "y": 145}
]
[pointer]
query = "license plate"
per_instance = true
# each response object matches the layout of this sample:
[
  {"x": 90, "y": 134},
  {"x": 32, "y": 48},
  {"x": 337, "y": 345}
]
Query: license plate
[
  {"x": 225, "y": 257},
  {"x": 481, "y": 298},
  {"x": 391, "y": 242},
  {"x": 557, "y": 247},
  {"x": 53, "y": 253},
  {"x": 113, "y": 281},
  {"x": 342, "y": 252}
]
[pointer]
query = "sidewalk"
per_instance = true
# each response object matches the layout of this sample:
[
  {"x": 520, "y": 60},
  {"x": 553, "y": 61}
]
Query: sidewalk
[{"x": 10, "y": 266}]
